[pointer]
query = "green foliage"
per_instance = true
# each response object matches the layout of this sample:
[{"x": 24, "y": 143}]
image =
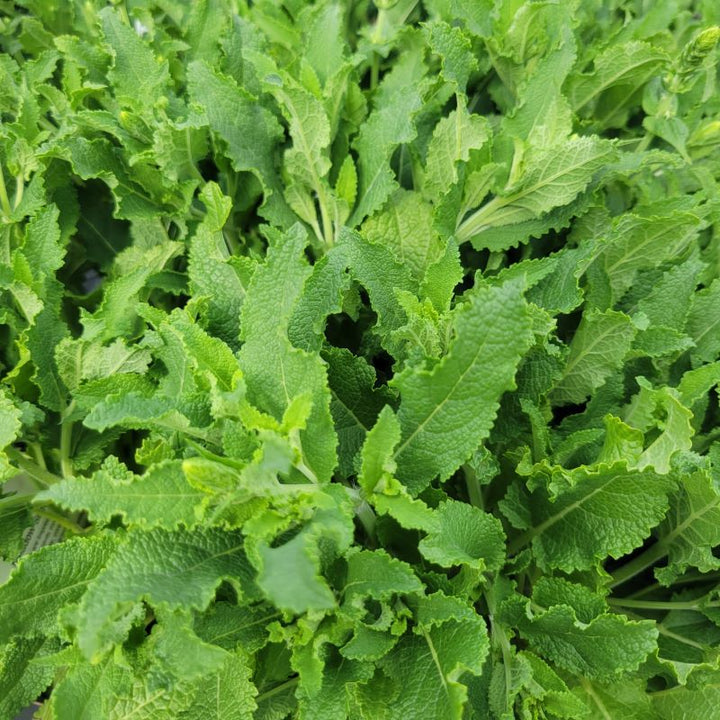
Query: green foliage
[{"x": 359, "y": 360}]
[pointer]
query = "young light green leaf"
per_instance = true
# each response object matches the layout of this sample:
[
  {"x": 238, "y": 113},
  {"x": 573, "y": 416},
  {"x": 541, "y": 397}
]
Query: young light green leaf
[{"x": 378, "y": 464}]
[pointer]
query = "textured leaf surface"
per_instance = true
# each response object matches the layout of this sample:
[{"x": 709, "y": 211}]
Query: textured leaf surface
[
  {"x": 359, "y": 361},
  {"x": 161, "y": 497},
  {"x": 446, "y": 412},
  {"x": 170, "y": 569},
  {"x": 608, "y": 510},
  {"x": 47, "y": 581},
  {"x": 598, "y": 348}
]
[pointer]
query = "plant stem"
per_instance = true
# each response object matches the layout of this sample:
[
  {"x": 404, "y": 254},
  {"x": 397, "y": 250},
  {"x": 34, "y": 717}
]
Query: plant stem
[
  {"x": 38, "y": 454},
  {"x": 680, "y": 638},
  {"x": 474, "y": 489},
  {"x": 4, "y": 199},
  {"x": 17, "y": 500},
  {"x": 277, "y": 689},
  {"x": 662, "y": 604},
  {"x": 641, "y": 562},
  {"x": 374, "y": 71},
  {"x": 37, "y": 473},
  {"x": 61, "y": 520},
  {"x": 590, "y": 690},
  {"x": 66, "y": 442},
  {"x": 644, "y": 144},
  {"x": 19, "y": 189}
]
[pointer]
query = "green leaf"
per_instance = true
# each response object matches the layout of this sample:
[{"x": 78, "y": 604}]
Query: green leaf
[
  {"x": 374, "y": 266},
  {"x": 604, "y": 648},
  {"x": 621, "y": 68},
  {"x": 322, "y": 296},
  {"x": 289, "y": 576},
  {"x": 251, "y": 142},
  {"x": 211, "y": 273},
  {"x": 454, "y": 137},
  {"x": 359, "y": 359},
  {"x": 227, "y": 694},
  {"x": 690, "y": 530},
  {"x": 21, "y": 681},
  {"x": 675, "y": 428},
  {"x": 703, "y": 323},
  {"x": 108, "y": 689},
  {"x": 598, "y": 347},
  {"x": 428, "y": 668},
  {"x": 465, "y": 535},
  {"x": 374, "y": 574},
  {"x": 49, "y": 580},
  {"x": 623, "y": 698},
  {"x": 384, "y": 130},
  {"x": 447, "y": 411},
  {"x": 700, "y": 696},
  {"x": 606, "y": 510},
  {"x": 404, "y": 226},
  {"x": 355, "y": 402},
  {"x": 455, "y": 50},
  {"x": 274, "y": 370},
  {"x": 169, "y": 570},
  {"x": 553, "y": 177},
  {"x": 377, "y": 462},
  {"x": 232, "y": 627},
  {"x": 637, "y": 243},
  {"x": 137, "y": 76},
  {"x": 161, "y": 497}
]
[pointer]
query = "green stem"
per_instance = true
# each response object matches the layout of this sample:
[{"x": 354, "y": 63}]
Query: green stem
[
  {"x": 19, "y": 189},
  {"x": 63, "y": 521},
  {"x": 364, "y": 513},
  {"x": 680, "y": 638},
  {"x": 640, "y": 563},
  {"x": 188, "y": 149},
  {"x": 34, "y": 471},
  {"x": 644, "y": 144},
  {"x": 702, "y": 442},
  {"x": 474, "y": 489},
  {"x": 495, "y": 261},
  {"x": 662, "y": 604},
  {"x": 4, "y": 199},
  {"x": 374, "y": 71},
  {"x": 379, "y": 27},
  {"x": 277, "y": 689},
  {"x": 17, "y": 500},
  {"x": 326, "y": 236},
  {"x": 521, "y": 541},
  {"x": 590, "y": 690},
  {"x": 480, "y": 220},
  {"x": 66, "y": 442},
  {"x": 499, "y": 639},
  {"x": 38, "y": 454},
  {"x": 327, "y": 225}
]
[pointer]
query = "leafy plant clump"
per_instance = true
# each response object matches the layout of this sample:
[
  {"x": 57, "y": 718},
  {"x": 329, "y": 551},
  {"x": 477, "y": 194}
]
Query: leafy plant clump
[{"x": 360, "y": 360}]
